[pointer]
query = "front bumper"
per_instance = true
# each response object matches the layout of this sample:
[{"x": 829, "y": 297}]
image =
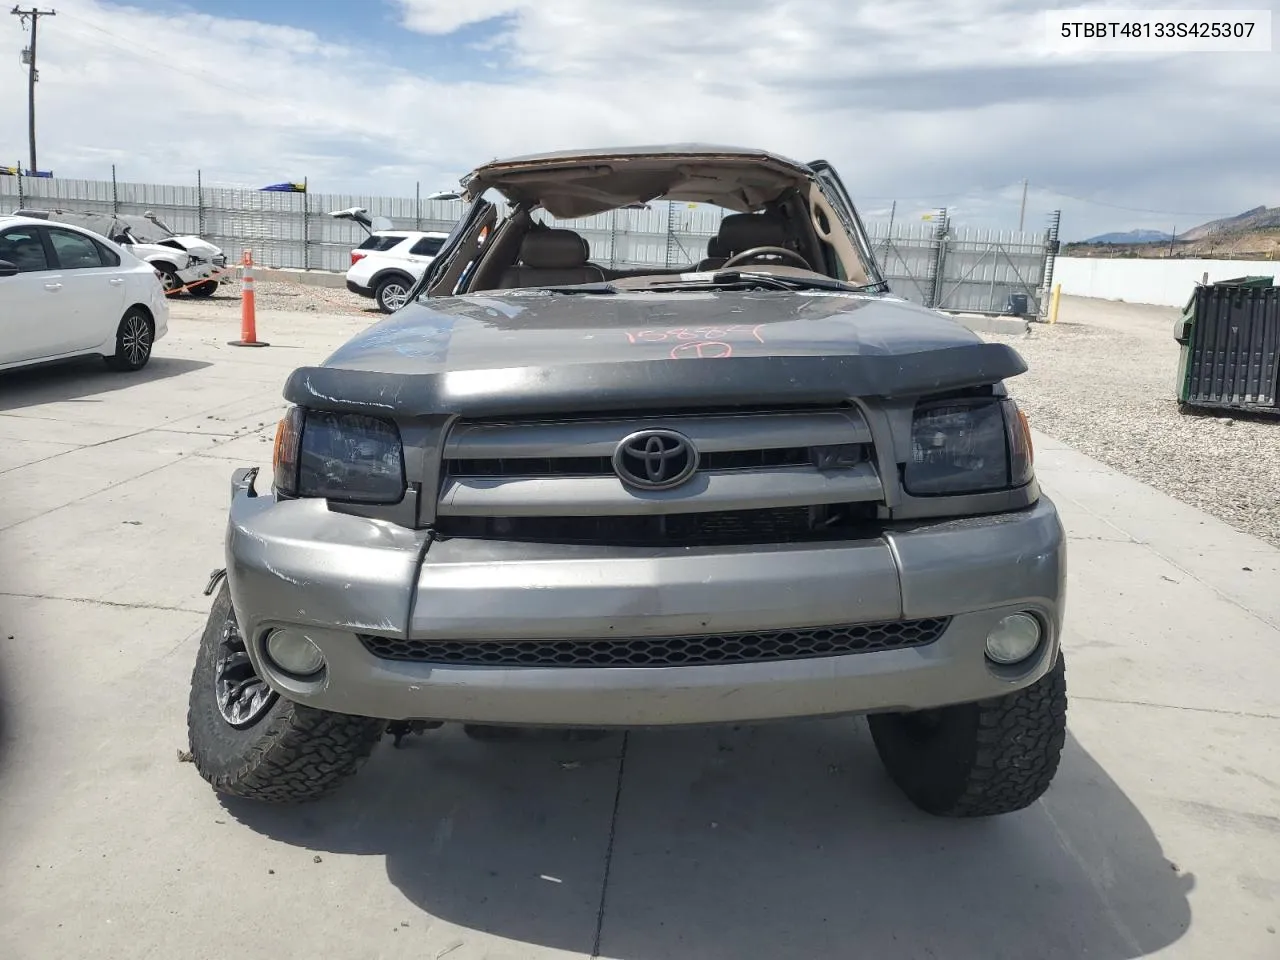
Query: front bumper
[
  {"x": 201, "y": 272},
  {"x": 337, "y": 576}
]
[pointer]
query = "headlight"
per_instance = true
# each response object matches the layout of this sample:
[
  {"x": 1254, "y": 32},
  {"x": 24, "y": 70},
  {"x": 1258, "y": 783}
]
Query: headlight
[
  {"x": 339, "y": 456},
  {"x": 968, "y": 446}
]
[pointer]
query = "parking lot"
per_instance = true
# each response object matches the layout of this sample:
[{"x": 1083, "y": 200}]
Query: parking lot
[{"x": 1161, "y": 835}]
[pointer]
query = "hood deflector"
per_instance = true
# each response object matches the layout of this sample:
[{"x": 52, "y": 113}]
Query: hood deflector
[{"x": 652, "y": 384}]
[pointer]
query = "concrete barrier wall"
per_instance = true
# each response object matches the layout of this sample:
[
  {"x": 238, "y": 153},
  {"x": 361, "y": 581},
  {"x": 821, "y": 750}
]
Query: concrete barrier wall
[{"x": 1167, "y": 283}]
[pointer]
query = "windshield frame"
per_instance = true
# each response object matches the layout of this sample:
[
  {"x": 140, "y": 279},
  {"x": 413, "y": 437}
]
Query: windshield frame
[
  {"x": 820, "y": 188},
  {"x": 829, "y": 182}
]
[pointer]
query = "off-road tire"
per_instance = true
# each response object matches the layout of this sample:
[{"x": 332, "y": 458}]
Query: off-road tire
[
  {"x": 978, "y": 759},
  {"x": 204, "y": 289},
  {"x": 380, "y": 291},
  {"x": 135, "y": 338},
  {"x": 293, "y": 754}
]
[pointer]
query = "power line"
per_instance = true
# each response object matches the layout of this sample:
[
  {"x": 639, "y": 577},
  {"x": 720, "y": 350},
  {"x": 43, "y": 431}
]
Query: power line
[
  {"x": 29, "y": 54},
  {"x": 975, "y": 191},
  {"x": 1116, "y": 206},
  {"x": 137, "y": 52},
  {"x": 969, "y": 192},
  {"x": 129, "y": 46}
]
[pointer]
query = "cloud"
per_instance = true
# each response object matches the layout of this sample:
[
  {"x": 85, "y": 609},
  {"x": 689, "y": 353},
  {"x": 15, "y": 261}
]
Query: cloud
[
  {"x": 448, "y": 16},
  {"x": 924, "y": 103}
]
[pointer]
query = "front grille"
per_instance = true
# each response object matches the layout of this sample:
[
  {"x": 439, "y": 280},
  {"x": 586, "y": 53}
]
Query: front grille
[
  {"x": 762, "y": 647},
  {"x": 603, "y": 466},
  {"x": 714, "y": 528},
  {"x": 753, "y": 476}
]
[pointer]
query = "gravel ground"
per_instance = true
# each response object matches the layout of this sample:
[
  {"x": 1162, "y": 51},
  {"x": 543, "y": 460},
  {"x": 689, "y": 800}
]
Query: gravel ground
[
  {"x": 287, "y": 295},
  {"x": 1103, "y": 379},
  {"x": 1100, "y": 380}
]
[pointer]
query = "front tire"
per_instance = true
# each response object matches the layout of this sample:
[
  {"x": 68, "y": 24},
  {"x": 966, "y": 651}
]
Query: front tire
[
  {"x": 169, "y": 279},
  {"x": 134, "y": 339},
  {"x": 205, "y": 289},
  {"x": 248, "y": 741},
  {"x": 978, "y": 759},
  {"x": 392, "y": 293}
]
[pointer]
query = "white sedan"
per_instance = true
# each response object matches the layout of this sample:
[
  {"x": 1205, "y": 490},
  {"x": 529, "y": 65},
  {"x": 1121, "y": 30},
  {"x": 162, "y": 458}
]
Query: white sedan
[{"x": 66, "y": 292}]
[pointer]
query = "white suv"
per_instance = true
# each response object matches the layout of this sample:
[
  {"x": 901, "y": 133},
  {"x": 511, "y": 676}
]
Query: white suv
[{"x": 389, "y": 262}]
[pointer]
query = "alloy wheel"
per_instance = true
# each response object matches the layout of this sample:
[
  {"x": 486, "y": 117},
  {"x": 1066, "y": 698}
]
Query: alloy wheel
[
  {"x": 135, "y": 340},
  {"x": 394, "y": 296}
]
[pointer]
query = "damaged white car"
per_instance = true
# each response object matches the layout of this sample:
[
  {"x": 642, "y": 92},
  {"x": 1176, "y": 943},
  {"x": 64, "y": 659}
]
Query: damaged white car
[{"x": 182, "y": 261}]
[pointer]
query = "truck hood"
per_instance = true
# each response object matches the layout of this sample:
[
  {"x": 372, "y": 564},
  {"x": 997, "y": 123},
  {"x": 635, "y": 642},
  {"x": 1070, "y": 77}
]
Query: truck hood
[{"x": 531, "y": 351}]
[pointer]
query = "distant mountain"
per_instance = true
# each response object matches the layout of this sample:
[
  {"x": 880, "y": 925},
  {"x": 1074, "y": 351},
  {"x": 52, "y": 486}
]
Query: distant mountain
[
  {"x": 1132, "y": 236},
  {"x": 1252, "y": 235},
  {"x": 1259, "y": 218}
]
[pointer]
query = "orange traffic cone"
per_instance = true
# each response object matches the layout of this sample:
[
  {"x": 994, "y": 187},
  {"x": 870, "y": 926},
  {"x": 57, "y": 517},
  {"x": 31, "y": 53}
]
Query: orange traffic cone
[{"x": 248, "y": 316}]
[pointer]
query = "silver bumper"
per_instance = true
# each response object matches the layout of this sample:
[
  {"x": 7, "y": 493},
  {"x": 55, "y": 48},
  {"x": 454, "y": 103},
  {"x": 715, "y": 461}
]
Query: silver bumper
[{"x": 295, "y": 563}]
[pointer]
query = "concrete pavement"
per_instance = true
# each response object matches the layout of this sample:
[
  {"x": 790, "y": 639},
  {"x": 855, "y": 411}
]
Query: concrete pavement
[{"x": 1161, "y": 836}]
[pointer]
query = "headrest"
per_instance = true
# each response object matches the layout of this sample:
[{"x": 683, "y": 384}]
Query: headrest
[
  {"x": 743, "y": 231},
  {"x": 553, "y": 249},
  {"x": 715, "y": 249}
]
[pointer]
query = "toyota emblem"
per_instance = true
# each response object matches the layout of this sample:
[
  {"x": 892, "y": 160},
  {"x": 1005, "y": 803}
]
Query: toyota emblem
[{"x": 655, "y": 459}]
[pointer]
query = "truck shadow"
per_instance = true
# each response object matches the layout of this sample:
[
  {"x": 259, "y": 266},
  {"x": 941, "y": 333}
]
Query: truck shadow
[
  {"x": 779, "y": 840},
  {"x": 82, "y": 379}
]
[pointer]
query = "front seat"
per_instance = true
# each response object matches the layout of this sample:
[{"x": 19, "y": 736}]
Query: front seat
[
  {"x": 551, "y": 258},
  {"x": 715, "y": 255},
  {"x": 745, "y": 231}
]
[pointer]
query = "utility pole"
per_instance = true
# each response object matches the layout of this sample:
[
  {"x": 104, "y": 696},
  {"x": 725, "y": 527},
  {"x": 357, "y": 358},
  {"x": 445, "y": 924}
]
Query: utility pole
[
  {"x": 29, "y": 55},
  {"x": 1022, "y": 211}
]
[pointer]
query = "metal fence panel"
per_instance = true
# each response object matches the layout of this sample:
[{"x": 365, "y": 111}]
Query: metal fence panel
[
  {"x": 330, "y": 241},
  {"x": 929, "y": 262},
  {"x": 906, "y": 253},
  {"x": 656, "y": 236},
  {"x": 984, "y": 268},
  {"x": 963, "y": 269}
]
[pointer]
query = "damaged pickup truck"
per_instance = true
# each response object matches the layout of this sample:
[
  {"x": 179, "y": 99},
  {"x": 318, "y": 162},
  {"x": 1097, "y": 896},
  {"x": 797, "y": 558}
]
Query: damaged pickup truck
[{"x": 549, "y": 492}]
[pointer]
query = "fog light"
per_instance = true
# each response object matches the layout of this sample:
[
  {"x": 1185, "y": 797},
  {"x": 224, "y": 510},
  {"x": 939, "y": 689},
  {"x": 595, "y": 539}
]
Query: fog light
[
  {"x": 1014, "y": 638},
  {"x": 294, "y": 653}
]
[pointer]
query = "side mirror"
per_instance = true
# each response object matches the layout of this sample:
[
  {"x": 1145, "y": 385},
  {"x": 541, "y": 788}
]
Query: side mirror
[{"x": 8, "y": 269}]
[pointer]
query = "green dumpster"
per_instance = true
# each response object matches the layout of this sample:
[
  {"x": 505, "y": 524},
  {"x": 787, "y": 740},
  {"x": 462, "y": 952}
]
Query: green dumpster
[{"x": 1230, "y": 337}]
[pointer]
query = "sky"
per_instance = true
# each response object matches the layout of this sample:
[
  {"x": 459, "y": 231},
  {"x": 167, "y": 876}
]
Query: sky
[{"x": 924, "y": 104}]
